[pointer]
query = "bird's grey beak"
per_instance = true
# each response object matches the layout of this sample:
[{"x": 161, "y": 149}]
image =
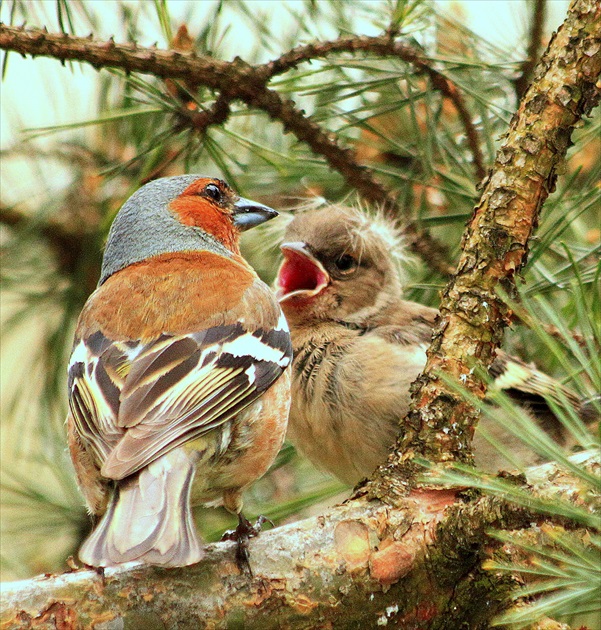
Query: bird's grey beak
[{"x": 247, "y": 214}]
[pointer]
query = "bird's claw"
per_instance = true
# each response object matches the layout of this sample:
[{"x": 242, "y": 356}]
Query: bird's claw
[{"x": 242, "y": 534}]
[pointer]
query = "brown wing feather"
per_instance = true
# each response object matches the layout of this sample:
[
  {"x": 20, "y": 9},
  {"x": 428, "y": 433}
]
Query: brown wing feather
[{"x": 133, "y": 401}]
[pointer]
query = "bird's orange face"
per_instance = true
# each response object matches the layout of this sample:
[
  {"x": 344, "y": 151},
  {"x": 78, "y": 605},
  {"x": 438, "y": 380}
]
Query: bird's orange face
[
  {"x": 183, "y": 213},
  {"x": 209, "y": 204}
]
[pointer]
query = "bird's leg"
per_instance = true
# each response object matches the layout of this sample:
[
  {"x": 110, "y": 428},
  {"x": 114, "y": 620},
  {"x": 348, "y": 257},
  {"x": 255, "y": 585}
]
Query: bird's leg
[{"x": 242, "y": 534}]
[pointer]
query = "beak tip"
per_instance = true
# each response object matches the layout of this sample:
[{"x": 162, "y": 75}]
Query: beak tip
[{"x": 248, "y": 214}]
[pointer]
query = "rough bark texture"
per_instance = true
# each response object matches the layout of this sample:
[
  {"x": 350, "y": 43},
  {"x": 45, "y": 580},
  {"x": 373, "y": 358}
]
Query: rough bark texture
[
  {"x": 566, "y": 87},
  {"x": 360, "y": 565}
]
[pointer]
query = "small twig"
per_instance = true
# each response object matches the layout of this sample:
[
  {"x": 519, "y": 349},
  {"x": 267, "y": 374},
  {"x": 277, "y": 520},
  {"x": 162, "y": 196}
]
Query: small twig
[
  {"x": 201, "y": 119},
  {"x": 388, "y": 47},
  {"x": 534, "y": 47}
]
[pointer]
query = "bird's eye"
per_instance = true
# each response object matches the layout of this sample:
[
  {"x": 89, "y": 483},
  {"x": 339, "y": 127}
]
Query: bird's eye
[
  {"x": 346, "y": 264},
  {"x": 214, "y": 192}
]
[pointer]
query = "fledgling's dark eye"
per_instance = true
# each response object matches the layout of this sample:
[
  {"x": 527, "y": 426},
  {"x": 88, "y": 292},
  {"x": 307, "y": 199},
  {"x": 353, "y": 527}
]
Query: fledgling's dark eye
[
  {"x": 214, "y": 192},
  {"x": 346, "y": 263}
]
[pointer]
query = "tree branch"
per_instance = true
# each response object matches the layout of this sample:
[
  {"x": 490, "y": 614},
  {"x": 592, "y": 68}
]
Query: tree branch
[
  {"x": 387, "y": 47},
  {"x": 440, "y": 424},
  {"x": 537, "y": 23},
  {"x": 361, "y": 564},
  {"x": 342, "y": 574},
  {"x": 235, "y": 81}
]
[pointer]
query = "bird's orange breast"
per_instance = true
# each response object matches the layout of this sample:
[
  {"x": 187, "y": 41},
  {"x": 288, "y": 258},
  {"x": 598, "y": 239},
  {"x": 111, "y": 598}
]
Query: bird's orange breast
[{"x": 171, "y": 293}]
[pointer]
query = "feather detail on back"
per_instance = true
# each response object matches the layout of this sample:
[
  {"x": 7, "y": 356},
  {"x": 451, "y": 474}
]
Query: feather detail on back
[
  {"x": 172, "y": 381},
  {"x": 168, "y": 392}
]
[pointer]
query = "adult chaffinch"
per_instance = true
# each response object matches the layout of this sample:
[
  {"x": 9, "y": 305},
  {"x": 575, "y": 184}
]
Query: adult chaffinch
[
  {"x": 358, "y": 346},
  {"x": 178, "y": 387}
]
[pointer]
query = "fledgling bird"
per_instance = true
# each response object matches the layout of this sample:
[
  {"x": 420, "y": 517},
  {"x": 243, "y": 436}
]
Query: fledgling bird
[
  {"x": 358, "y": 345},
  {"x": 178, "y": 387}
]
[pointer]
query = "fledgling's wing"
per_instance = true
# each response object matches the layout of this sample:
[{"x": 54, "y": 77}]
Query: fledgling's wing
[
  {"x": 528, "y": 385},
  {"x": 134, "y": 402},
  {"x": 410, "y": 324}
]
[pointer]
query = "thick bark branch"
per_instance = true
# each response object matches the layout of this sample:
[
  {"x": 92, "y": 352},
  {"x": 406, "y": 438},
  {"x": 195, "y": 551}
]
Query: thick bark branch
[
  {"x": 238, "y": 80},
  {"x": 441, "y": 423},
  {"x": 235, "y": 81},
  {"x": 359, "y": 565}
]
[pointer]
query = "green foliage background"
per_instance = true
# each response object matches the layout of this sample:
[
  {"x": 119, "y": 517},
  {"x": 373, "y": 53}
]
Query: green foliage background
[{"x": 62, "y": 185}]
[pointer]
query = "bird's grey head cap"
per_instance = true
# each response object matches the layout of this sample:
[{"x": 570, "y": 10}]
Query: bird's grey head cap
[{"x": 145, "y": 227}]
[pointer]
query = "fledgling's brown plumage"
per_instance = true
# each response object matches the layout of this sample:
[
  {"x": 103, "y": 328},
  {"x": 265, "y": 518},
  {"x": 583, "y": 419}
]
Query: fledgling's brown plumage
[{"x": 358, "y": 345}]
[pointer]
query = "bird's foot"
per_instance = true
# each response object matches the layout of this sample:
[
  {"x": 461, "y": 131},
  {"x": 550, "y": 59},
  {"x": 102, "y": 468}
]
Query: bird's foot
[{"x": 242, "y": 534}]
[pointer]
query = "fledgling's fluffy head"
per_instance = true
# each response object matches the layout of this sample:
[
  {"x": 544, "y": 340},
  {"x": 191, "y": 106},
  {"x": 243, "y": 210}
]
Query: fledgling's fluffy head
[
  {"x": 339, "y": 263},
  {"x": 176, "y": 214}
]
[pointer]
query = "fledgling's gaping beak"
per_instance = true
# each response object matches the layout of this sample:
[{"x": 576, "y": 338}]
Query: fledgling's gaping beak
[
  {"x": 248, "y": 214},
  {"x": 300, "y": 274}
]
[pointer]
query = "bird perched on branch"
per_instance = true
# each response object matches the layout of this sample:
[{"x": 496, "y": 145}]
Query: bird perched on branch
[
  {"x": 178, "y": 387},
  {"x": 358, "y": 345}
]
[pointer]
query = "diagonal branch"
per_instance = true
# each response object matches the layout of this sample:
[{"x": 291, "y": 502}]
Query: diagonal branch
[
  {"x": 441, "y": 423},
  {"x": 235, "y": 81}
]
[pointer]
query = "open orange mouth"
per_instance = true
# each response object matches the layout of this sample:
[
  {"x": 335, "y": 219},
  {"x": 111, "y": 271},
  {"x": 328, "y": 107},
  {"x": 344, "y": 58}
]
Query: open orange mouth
[{"x": 301, "y": 274}]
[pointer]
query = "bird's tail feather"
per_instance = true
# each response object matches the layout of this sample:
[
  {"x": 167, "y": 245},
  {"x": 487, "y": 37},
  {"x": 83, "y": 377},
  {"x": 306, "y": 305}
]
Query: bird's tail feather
[{"x": 148, "y": 518}]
